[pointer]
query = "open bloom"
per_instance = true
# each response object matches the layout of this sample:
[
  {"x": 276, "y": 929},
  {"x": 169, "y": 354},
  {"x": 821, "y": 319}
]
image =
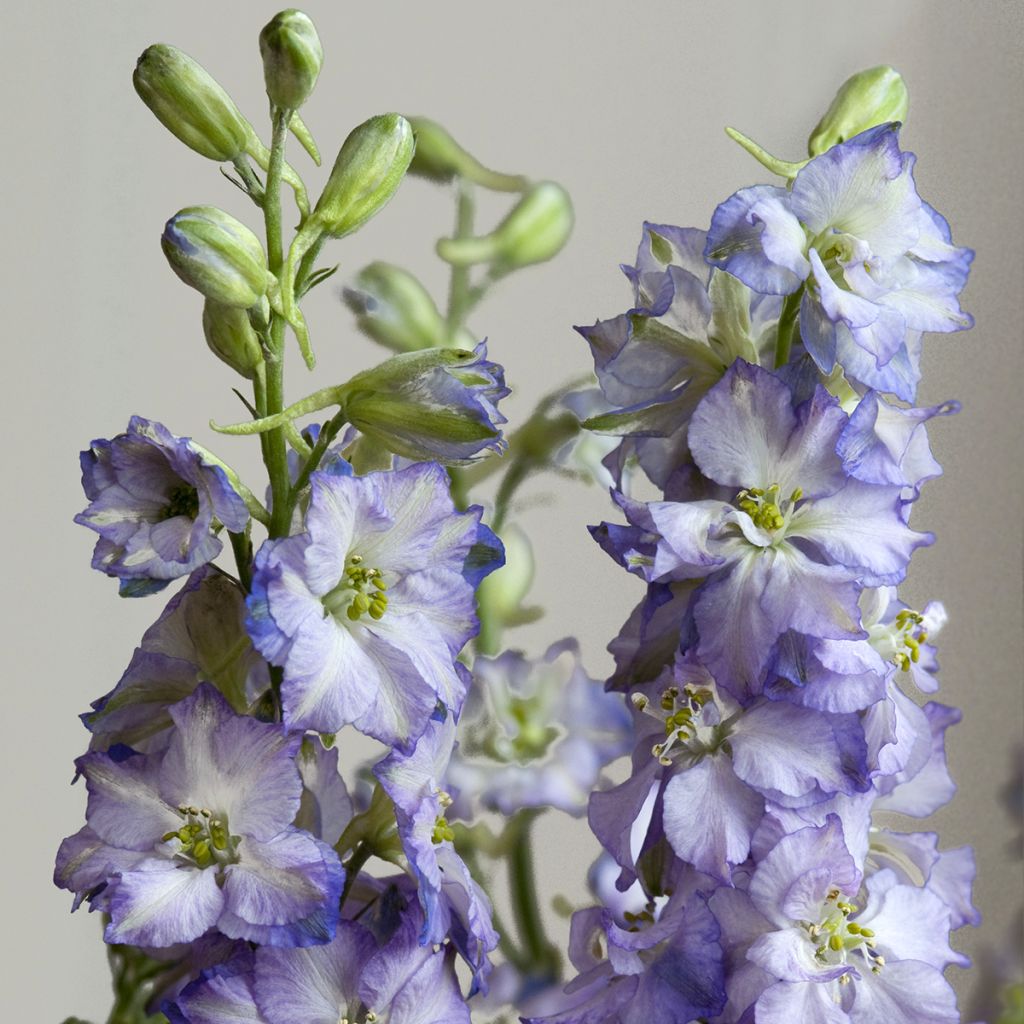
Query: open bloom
[
  {"x": 813, "y": 955},
  {"x": 536, "y": 733},
  {"x": 875, "y": 262},
  {"x": 368, "y": 608},
  {"x": 155, "y": 500},
  {"x": 791, "y": 550},
  {"x": 200, "y": 837}
]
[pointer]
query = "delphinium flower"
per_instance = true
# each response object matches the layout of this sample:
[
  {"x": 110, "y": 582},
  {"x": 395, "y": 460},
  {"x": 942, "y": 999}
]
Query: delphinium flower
[
  {"x": 156, "y": 501},
  {"x": 815, "y": 953},
  {"x": 655, "y": 362},
  {"x": 794, "y": 544},
  {"x": 200, "y": 836},
  {"x": 351, "y": 980},
  {"x": 367, "y": 609},
  {"x": 454, "y": 905},
  {"x": 870, "y": 262},
  {"x": 709, "y": 766},
  {"x": 535, "y": 733}
]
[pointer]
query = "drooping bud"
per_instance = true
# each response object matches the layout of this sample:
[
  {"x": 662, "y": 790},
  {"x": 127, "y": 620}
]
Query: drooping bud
[
  {"x": 868, "y": 98},
  {"x": 440, "y": 404},
  {"x": 440, "y": 158},
  {"x": 533, "y": 232},
  {"x": 231, "y": 337},
  {"x": 368, "y": 170},
  {"x": 190, "y": 103},
  {"x": 395, "y": 310},
  {"x": 217, "y": 255},
  {"x": 292, "y": 58}
]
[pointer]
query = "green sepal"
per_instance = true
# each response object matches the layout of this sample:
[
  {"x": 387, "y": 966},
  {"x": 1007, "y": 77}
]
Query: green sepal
[{"x": 784, "y": 168}]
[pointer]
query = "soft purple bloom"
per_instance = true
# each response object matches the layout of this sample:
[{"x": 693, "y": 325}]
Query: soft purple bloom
[
  {"x": 656, "y": 361},
  {"x": 714, "y": 765},
  {"x": 349, "y": 979},
  {"x": 368, "y": 608},
  {"x": 804, "y": 950},
  {"x": 156, "y": 501},
  {"x": 663, "y": 966},
  {"x": 876, "y": 262},
  {"x": 200, "y": 836},
  {"x": 794, "y": 547},
  {"x": 454, "y": 906},
  {"x": 536, "y": 733},
  {"x": 200, "y": 636}
]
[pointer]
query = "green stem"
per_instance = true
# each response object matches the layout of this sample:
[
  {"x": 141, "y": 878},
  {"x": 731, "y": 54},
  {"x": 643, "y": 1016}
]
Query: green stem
[
  {"x": 541, "y": 956},
  {"x": 505, "y": 943},
  {"x": 275, "y": 451},
  {"x": 360, "y": 855},
  {"x": 241, "y": 545},
  {"x": 787, "y": 324},
  {"x": 459, "y": 289},
  {"x": 328, "y": 433}
]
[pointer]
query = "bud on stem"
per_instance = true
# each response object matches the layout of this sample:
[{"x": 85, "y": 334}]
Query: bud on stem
[{"x": 292, "y": 57}]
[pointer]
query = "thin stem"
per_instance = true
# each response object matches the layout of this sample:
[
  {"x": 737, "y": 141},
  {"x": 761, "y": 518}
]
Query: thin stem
[
  {"x": 275, "y": 451},
  {"x": 360, "y": 855},
  {"x": 787, "y": 324},
  {"x": 522, "y": 883},
  {"x": 459, "y": 289},
  {"x": 328, "y": 433},
  {"x": 241, "y": 545}
]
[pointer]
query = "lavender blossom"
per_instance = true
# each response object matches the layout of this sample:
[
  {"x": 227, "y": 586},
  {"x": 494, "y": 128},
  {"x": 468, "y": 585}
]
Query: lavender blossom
[
  {"x": 795, "y": 546},
  {"x": 156, "y": 501},
  {"x": 368, "y": 608},
  {"x": 875, "y": 262},
  {"x": 536, "y": 733},
  {"x": 200, "y": 837}
]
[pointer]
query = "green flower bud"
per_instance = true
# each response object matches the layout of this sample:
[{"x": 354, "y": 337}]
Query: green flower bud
[
  {"x": 231, "y": 337},
  {"x": 190, "y": 104},
  {"x": 217, "y": 255},
  {"x": 866, "y": 99},
  {"x": 395, "y": 310},
  {"x": 440, "y": 158},
  {"x": 534, "y": 231},
  {"x": 368, "y": 170},
  {"x": 292, "y": 58}
]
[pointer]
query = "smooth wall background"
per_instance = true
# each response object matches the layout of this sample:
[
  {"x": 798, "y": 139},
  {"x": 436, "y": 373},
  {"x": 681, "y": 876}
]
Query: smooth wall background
[{"x": 624, "y": 104}]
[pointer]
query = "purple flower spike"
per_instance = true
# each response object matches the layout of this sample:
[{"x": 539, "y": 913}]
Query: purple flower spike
[
  {"x": 155, "y": 500},
  {"x": 367, "y": 609},
  {"x": 200, "y": 837}
]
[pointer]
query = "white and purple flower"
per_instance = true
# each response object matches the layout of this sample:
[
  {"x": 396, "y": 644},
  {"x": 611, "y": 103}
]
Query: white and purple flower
[
  {"x": 875, "y": 263},
  {"x": 200, "y": 837},
  {"x": 156, "y": 501},
  {"x": 367, "y": 609}
]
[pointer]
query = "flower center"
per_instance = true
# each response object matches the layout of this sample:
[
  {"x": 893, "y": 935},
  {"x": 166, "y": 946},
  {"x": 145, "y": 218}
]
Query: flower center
[
  {"x": 766, "y": 508},
  {"x": 203, "y": 839},
  {"x": 900, "y": 641},
  {"x": 676, "y": 710},
  {"x": 442, "y": 830},
  {"x": 182, "y": 501},
  {"x": 835, "y": 936},
  {"x": 361, "y": 591}
]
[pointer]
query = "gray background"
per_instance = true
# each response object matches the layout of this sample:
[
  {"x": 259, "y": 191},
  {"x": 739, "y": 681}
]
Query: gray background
[{"x": 624, "y": 104}]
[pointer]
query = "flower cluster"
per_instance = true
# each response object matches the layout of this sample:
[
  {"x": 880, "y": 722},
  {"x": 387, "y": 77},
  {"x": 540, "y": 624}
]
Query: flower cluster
[{"x": 771, "y": 667}]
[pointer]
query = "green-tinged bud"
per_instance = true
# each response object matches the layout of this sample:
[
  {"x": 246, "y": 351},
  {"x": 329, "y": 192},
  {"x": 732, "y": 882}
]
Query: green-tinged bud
[
  {"x": 292, "y": 58},
  {"x": 368, "y": 170},
  {"x": 191, "y": 104},
  {"x": 533, "y": 232},
  {"x": 440, "y": 158},
  {"x": 395, "y": 310},
  {"x": 231, "y": 337},
  {"x": 868, "y": 98},
  {"x": 217, "y": 255}
]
